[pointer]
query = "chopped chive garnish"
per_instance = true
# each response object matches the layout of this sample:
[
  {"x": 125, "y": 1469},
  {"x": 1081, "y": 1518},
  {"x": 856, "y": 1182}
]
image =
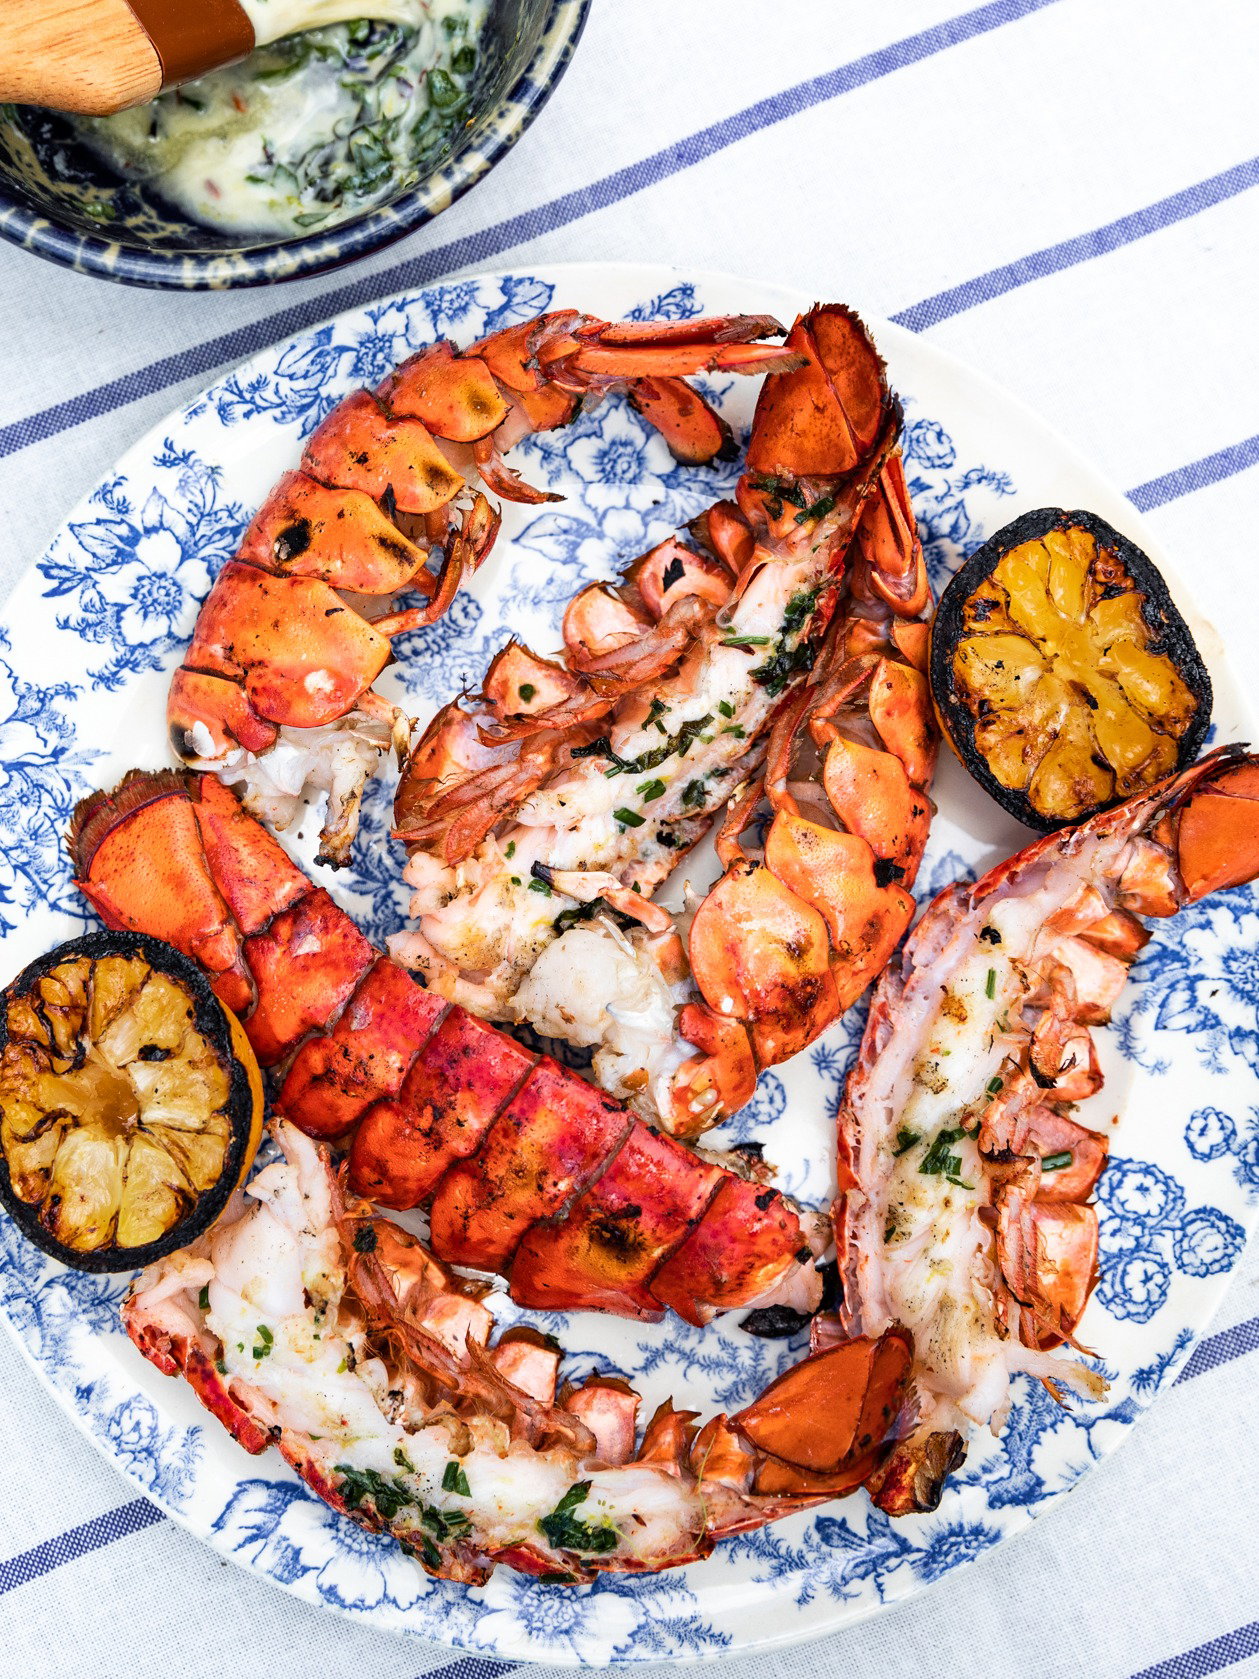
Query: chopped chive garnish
[
  {"x": 651, "y": 789},
  {"x": 454, "y": 1480},
  {"x": 536, "y": 885},
  {"x": 527, "y": 691},
  {"x": 820, "y": 508},
  {"x": 1055, "y": 1162},
  {"x": 745, "y": 641},
  {"x": 939, "y": 1162},
  {"x": 990, "y": 985},
  {"x": 725, "y": 708},
  {"x": 994, "y": 1084},
  {"x": 905, "y": 1140},
  {"x": 511, "y": 849},
  {"x": 203, "y": 1299},
  {"x": 628, "y": 818},
  {"x": 565, "y": 1532},
  {"x": 735, "y": 729}
]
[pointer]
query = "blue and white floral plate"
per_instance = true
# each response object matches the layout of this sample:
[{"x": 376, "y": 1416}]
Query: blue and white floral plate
[{"x": 91, "y": 636}]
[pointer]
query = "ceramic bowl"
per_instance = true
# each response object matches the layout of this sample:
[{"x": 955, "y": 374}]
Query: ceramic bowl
[{"x": 60, "y": 201}]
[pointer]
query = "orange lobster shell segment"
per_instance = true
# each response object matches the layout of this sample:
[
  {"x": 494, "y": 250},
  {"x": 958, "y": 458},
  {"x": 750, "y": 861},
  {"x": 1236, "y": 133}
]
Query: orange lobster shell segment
[
  {"x": 871, "y": 794},
  {"x": 360, "y": 448},
  {"x": 833, "y": 1406},
  {"x": 1048, "y": 1256},
  {"x": 695, "y": 435},
  {"x": 887, "y": 538},
  {"x": 518, "y": 683},
  {"x": 453, "y": 396},
  {"x": 306, "y": 528},
  {"x": 511, "y": 354},
  {"x": 724, "y": 1076},
  {"x": 464, "y": 1076},
  {"x": 760, "y": 953},
  {"x": 616, "y": 1235},
  {"x": 745, "y": 1242},
  {"x": 1055, "y": 1134},
  {"x": 305, "y": 965},
  {"x": 900, "y": 709},
  {"x": 150, "y": 868},
  {"x": 823, "y": 419},
  {"x": 336, "y": 1076},
  {"x": 1217, "y": 836},
  {"x": 724, "y": 530},
  {"x": 835, "y": 872},
  {"x": 539, "y": 1154},
  {"x": 221, "y": 707},
  {"x": 597, "y": 622},
  {"x": 303, "y": 655},
  {"x": 671, "y": 570},
  {"x": 255, "y": 874}
]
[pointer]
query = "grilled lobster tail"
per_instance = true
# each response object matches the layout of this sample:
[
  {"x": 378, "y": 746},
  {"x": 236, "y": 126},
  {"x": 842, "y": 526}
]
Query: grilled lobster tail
[
  {"x": 464, "y": 1448},
  {"x": 790, "y": 621},
  {"x": 525, "y": 1168},
  {"x": 965, "y": 1208}
]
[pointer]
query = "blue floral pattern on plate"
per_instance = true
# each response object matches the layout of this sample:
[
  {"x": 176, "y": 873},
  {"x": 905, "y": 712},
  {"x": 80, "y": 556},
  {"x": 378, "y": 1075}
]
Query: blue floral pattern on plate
[{"x": 84, "y": 663}]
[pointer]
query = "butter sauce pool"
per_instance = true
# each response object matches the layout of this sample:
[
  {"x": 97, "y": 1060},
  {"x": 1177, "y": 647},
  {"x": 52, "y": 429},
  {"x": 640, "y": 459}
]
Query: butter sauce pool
[{"x": 308, "y": 131}]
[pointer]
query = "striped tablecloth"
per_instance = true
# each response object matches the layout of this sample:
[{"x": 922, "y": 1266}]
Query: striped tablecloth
[{"x": 1061, "y": 192}]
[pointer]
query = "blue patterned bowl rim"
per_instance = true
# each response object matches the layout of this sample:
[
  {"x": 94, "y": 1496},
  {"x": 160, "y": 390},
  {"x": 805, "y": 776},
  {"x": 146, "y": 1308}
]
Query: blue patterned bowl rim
[{"x": 494, "y": 134}]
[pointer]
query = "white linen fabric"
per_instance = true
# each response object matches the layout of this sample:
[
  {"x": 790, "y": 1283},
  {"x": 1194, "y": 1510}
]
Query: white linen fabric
[{"x": 1063, "y": 192}]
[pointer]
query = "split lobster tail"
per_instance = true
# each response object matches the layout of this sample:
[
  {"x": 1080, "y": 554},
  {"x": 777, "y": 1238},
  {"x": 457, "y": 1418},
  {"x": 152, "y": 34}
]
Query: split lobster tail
[
  {"x": 385, "y": 503},
  {"x": 524, "y": 1167},
  {"x": 978, "y": 1159},
  {"x": 461, "y": 1444},
  {"x": 770, "y": 653}
]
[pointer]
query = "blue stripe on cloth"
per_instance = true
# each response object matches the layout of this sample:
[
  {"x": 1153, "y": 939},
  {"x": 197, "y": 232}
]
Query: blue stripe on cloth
[
  {"x": 1083, "y": 248},
  {"x": 471, "y": 1667},
  {"x": 1207, "y": 1658},
  {"x": 77, "y": 1542},
  {"x": 1197, "y": 475},
  {"x": 492, "y": 241},
  {"x": 1229, "y": 1344}
]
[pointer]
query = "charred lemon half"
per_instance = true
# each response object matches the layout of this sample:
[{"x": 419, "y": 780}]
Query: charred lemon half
[
  {"x": 130, "y": 1102},
  {"x": 1063, "y": 675}
]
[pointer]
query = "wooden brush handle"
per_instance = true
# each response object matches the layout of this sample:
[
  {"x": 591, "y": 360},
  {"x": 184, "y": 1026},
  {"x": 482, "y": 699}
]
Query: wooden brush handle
[{"x": 98, "y": 56}]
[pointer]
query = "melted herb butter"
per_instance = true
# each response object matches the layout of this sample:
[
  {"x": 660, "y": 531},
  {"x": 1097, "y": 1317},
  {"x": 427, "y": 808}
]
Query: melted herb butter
[{"x": 309, "y": 131}]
